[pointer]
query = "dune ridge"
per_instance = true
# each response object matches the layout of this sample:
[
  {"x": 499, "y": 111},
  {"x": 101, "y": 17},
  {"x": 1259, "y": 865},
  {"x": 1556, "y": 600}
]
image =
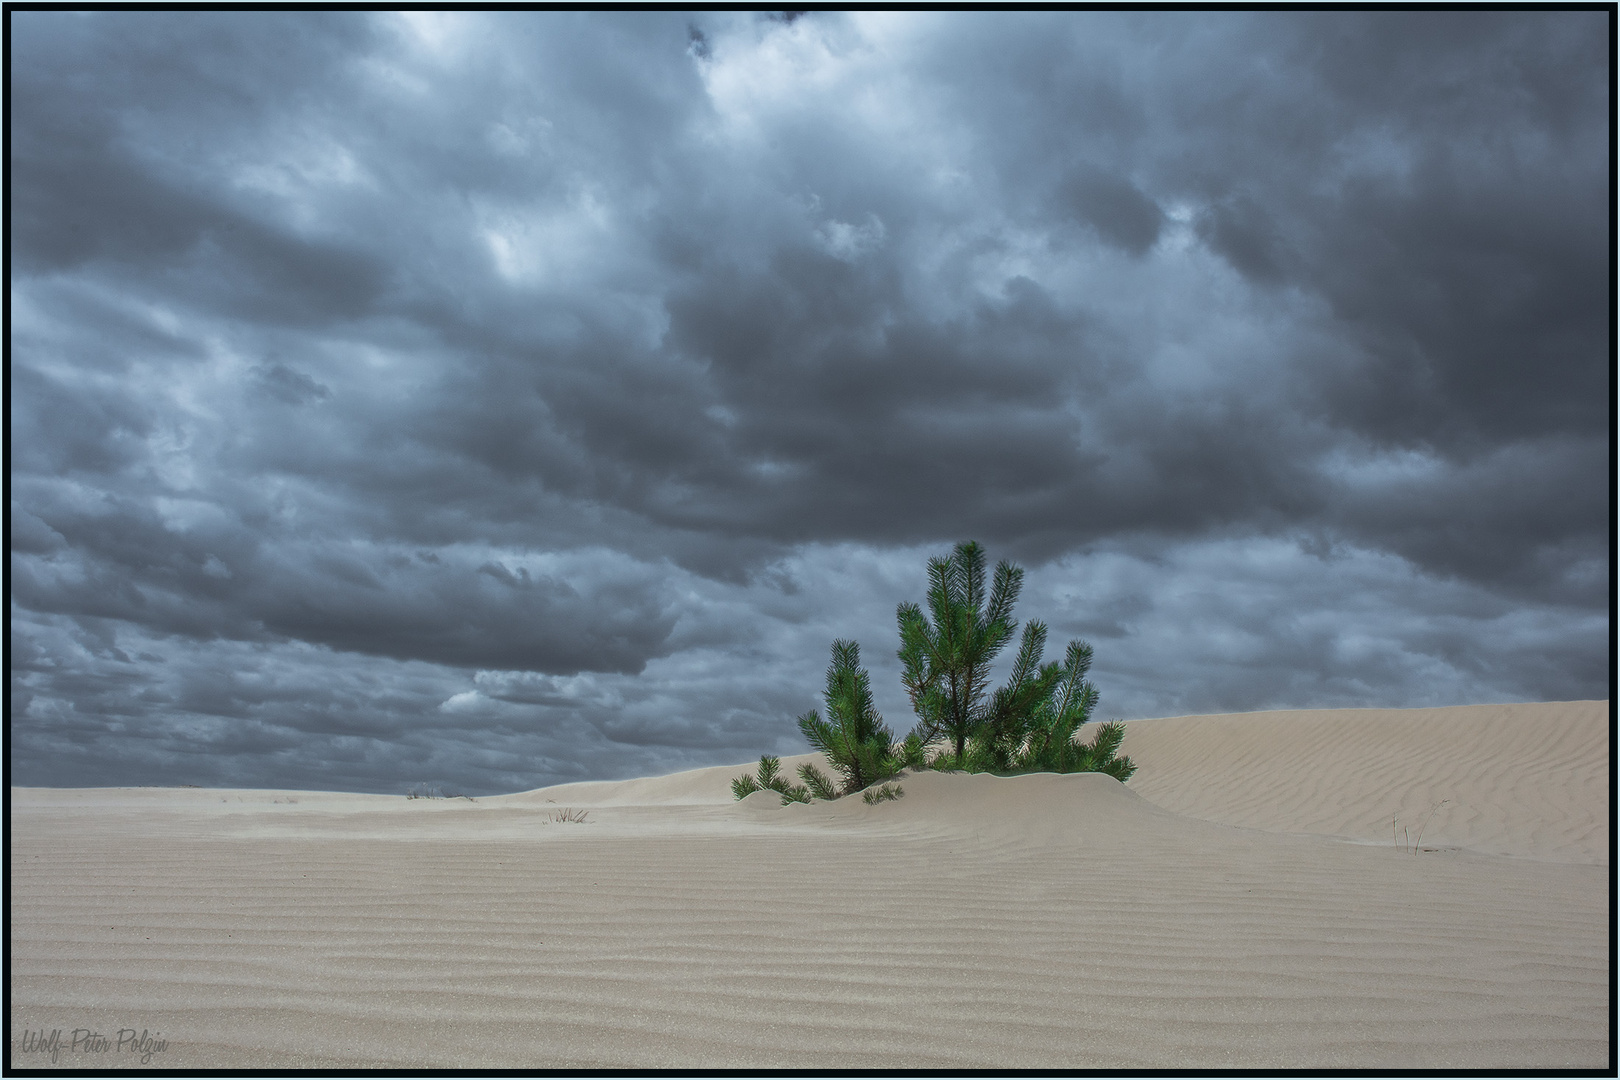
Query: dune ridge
[
  {"x": 1033, "y": 921},
  {"x": 1527, "y": 780}
]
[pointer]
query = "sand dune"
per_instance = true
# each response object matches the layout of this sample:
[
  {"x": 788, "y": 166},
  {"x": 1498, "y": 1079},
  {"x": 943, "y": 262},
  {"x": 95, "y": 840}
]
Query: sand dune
[
  {"x": 1235, "y": 905},
  {"x": 1528, "y": 780}
]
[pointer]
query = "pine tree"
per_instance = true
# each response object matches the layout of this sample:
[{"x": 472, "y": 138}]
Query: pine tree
[
  {"x": 1017, "y": 708},
  {"x": 1032, "y": 722},
  {"x": 946, "y": 661},
  {"x": 852, "y": 736},
  {"x": 1057, "y": 717}
]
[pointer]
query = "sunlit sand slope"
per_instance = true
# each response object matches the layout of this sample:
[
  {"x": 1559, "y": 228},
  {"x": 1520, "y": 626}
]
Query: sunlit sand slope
[
  {"x": 1036, "y": 921},
  {"x": 1529, "y": 780}
]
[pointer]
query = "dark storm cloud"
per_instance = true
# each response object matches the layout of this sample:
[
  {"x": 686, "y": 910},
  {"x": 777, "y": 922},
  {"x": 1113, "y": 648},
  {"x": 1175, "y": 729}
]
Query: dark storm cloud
[
  {"x": 86, "y": 190},
  {"x": 290, "y": 387},
  {"x": 1120, "y": 214},
  {"x": 534, "y": 396},
  {"x": 205, "y": 583},
  {"x": 1240, "y": 232}
]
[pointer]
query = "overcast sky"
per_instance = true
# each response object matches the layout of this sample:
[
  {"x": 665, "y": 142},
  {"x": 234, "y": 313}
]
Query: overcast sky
[{"x": 502, "y": 399}]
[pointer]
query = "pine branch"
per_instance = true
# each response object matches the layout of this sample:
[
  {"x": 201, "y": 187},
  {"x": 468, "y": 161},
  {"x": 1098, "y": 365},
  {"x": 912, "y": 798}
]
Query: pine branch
[
  {"x": 970, "y": 558},
  {"x": 1120, "y": 769},
  {"x": 1109, "y": 736},
  {"x": 1029, "y": 653},
  {"x": 1078, "y": 659},
  {"x": 816, "y": 731},
  {"x": 818, "y": 783},
  {"x": 1003, "y": 595}
]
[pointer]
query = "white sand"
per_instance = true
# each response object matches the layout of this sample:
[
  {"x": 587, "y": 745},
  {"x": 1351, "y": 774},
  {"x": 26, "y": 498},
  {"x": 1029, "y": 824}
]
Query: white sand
[{"x": 1240, "y": 903}]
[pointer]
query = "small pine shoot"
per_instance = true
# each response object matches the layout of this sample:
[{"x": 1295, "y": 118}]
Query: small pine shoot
[
  {"x": 769, "y": 778},
  {"x": 912, "y": 753}
]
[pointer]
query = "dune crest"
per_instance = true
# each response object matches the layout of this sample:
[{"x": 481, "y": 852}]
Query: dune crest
[{"x": 1525, "y": 779}]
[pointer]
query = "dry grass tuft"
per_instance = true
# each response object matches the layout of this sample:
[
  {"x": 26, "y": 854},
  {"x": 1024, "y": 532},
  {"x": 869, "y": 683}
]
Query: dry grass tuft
[{"x": 1404, "y": 841}]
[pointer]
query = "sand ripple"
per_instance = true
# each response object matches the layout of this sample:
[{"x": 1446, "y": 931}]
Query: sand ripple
[{"x": 1041, "y": 921}]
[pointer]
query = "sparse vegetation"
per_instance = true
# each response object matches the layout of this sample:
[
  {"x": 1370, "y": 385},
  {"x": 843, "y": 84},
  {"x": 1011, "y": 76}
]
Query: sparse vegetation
[
  {"x": 1404, "y": 841},
  {"x": 434, "y": 791},
  {"x": 1031, "y": 724},
  {"x": 857, "y": 745},
  {"x": 569, "y": 815}
]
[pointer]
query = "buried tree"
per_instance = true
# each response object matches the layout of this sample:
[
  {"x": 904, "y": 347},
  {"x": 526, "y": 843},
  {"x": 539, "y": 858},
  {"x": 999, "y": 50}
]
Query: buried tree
[
  {"x": 858, "y": 746},
  {"x": 1034, "y": 719},
  {"x": 946, "y": 662},
  {"x": 1028, "y": 725}
]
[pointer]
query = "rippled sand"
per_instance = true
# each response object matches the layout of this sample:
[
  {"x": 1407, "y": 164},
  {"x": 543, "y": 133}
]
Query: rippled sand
[{"x": 1241, "y": 903}]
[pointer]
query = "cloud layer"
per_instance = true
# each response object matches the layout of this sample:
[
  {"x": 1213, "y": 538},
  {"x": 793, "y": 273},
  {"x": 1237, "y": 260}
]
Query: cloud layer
[{"x": 503, "y": 398}]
